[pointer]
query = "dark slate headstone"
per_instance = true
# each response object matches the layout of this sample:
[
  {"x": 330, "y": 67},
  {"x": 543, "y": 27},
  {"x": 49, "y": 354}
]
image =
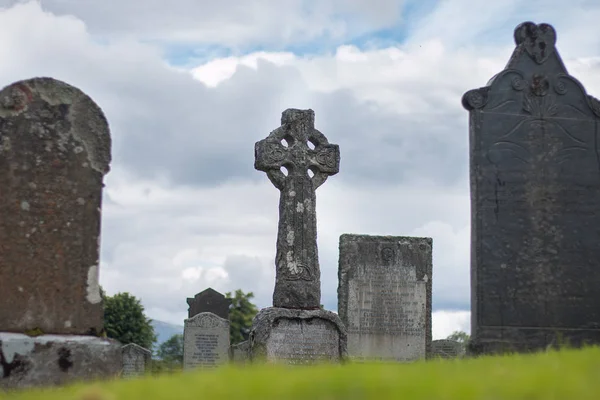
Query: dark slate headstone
[
  {"x": 297, "y": 274},
  {"x": 54, "y": 152},
  {"x": 535, "y": 199},
  {"x": 209, "y": 300}
]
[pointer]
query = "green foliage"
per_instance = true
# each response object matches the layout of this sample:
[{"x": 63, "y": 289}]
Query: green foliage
[
  {"x": 160, "y": 367},
  {"x": 459, "y": 336},
  {"x": 171, "y": 351},
  {"x": 241, "y": 313},
  {"x": 567, "y": 374},
  {"x": 124, "y": 320}
]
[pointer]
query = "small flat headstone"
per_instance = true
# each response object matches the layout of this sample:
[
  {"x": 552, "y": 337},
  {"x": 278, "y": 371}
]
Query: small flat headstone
[
  {"x": 445, "y": 348},
  {"x": 384, "y": 296},
  {"x": 135, "y": 360},
  {"x": 205, "y": 341},
  {"x": 54, "y": 152},
  {"x": 240, "y": 353},
  {"x": 209, "y": 300}
]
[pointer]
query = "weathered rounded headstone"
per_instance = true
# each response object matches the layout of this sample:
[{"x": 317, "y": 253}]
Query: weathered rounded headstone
[{"x": 54, "y": 152}]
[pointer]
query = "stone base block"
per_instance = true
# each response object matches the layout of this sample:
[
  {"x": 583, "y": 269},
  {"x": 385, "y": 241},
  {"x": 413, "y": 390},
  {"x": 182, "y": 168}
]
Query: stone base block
[
  {"x": 293, "y": 336},
  {"x": 50, "y": 360}
]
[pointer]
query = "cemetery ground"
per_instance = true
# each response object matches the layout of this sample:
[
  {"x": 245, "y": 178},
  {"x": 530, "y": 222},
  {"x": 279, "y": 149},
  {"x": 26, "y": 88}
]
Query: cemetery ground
[{"x": 564, "y": 374}]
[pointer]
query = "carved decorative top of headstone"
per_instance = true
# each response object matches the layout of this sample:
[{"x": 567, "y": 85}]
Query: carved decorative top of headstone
[
  {"x": 297, "y": 282},
  {"x": 536, "y": 70},
  {"x": 54, "y": 152},
  {"x": 207, "y": 320},
  {"x": 209, "y": 300}
]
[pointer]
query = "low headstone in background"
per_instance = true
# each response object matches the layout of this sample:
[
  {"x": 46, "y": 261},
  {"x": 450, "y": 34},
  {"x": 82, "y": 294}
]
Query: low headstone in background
[
  {"x": 240, "y": 353},
  {"x": 205, "y": 341},
  {"x": 135, "y": 360},
  {"x": 384, "y": 296},
  {"x": 445, "y": 348},
  {"x": 209, "y": 300}
]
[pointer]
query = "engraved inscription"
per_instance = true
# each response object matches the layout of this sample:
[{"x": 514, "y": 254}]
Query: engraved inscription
[
  {"x": 134, "y": 360},
  {"x": 296, "y": 341},
  {"x": 389, "y": 300},
  {"x": 205, "y": 354},
  {"x": 133, "y": 365}
]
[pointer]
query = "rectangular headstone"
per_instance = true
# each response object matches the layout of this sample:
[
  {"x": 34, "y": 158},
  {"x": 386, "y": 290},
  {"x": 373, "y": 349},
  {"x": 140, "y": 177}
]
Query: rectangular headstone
[
  {"x": 54, "y": 153},
  {"x": 535, "y": 201},
  {"x": 384, "y": 296},
  {"x": 205, "y": 341},
  {"x": 135, "y": 360}
]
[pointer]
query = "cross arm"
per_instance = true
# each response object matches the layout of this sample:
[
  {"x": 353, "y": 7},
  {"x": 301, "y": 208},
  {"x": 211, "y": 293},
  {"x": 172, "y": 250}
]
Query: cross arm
[{"x": 269, "y": 156}]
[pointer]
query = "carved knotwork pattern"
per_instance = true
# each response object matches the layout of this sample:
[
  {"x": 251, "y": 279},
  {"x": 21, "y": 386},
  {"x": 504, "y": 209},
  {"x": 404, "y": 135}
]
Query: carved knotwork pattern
[{"x": 206, "y": 321}]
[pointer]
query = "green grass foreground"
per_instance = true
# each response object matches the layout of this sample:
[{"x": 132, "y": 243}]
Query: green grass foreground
[{"x": 567, "y": 374}]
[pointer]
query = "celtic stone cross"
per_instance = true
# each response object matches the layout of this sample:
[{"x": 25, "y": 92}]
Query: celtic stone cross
[{"x": 297, "y": 278}]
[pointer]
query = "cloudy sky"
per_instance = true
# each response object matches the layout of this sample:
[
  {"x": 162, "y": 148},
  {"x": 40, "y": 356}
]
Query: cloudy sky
[{"x": 189, "y": 86}]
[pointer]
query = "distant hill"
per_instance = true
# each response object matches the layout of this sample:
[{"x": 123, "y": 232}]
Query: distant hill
[{"x": 164, "y": 331}]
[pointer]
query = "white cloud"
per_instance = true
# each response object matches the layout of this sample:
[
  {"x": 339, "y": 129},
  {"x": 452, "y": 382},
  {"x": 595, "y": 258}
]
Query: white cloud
[
  {"x": 444, "y": 323},
  {"x": 228, "y": 22},
  {"x": 184, "y": 209}
]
